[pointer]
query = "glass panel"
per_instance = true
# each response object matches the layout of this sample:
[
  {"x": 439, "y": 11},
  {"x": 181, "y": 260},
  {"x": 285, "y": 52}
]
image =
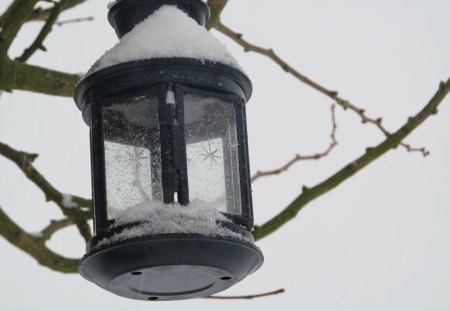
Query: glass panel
[
  {"x": 212, "y": 152},
  {"x": 132, "y": 153}
]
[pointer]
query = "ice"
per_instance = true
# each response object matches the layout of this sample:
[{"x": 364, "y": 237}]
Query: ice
[
  {"x": 167, "y": 33},
  {"x": 156, "y": 217}
]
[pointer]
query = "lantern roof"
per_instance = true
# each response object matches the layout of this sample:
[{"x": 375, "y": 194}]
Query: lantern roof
[{"x": 167, "y": 33}]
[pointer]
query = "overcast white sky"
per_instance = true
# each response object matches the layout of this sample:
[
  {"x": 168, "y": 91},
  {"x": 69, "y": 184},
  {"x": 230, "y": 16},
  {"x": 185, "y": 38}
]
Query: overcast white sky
[{"x": 381, "y": 241}]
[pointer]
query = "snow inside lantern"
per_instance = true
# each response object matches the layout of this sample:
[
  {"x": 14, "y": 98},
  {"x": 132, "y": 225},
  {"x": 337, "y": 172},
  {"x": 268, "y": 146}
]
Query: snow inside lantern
[{"x": 170, "y": 171}]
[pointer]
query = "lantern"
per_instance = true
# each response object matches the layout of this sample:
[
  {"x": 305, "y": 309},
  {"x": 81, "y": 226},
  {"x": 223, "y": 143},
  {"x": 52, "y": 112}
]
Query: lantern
[{"x": 170, "y": 170}]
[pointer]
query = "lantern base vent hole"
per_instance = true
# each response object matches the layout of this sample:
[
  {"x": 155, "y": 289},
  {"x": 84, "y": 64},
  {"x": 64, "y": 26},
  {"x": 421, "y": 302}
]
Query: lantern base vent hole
[{"x": 171, "y": 266}]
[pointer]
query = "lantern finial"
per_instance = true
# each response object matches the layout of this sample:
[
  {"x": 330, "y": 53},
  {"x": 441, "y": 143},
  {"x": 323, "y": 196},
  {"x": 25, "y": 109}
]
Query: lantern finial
[{"x": 125, "y": 14}]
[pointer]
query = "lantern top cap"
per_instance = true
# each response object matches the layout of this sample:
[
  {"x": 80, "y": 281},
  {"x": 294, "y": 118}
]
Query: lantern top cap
[
  {"x": 125, "y": 14},
  {"x": 167, "y": 33}
]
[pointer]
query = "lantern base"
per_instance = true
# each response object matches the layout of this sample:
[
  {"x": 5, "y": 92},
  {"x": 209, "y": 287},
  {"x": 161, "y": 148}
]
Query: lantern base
[{"x": 170, "y": 267}]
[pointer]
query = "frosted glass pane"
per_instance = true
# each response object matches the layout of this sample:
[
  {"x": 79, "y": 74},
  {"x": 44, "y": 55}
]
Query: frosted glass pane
[
  {"x": 132, "y": 153},
  {"x": 212, "y": 152},
  {"x": 128, "y": 176},
  {"x": 206, "y": 173}
]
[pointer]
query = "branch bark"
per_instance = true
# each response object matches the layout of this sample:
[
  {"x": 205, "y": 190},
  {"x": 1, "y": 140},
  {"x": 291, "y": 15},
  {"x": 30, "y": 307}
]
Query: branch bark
[
  {"x": 345, "y": 104},
  {"x": 24, "y": 161},
  {"x": 215, "y": 7},
  {"x": 45, "y": 31},
  {"x": 352, "y": 168},
  {"x": 44, "y": 14},
  {"x": 54, "y": 226},
  {"x": 248, "y": 297},
  {"x": 19, "y": 76},
  {"x": 34, "y": 247},
  {"x": 299, "y": 157},
  {"x": 13, "y": 19}
]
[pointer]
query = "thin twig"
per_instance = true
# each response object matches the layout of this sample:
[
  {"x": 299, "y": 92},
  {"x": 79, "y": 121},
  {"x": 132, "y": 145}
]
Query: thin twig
[
  {"x": 74, "y": 20},
  {"x": 299, "y": 157},
  {"x": 371, "y": 154},
  {"x": 275, "y": 292},
  {"x": 40, "y": 14},
  {"x": 270, "y": 53},
  {"x": 56, "y": 225}
]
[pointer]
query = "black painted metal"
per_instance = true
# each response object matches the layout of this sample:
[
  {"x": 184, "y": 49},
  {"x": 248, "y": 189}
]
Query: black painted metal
[
  {"x": 210, "y": 263},
  {"x": 143, "y": 74},
  {"x": 125, "y": 14},
  {"x": 180, "y": 158},
  {"x": 169, "y": 177},
  {"x": 244, "y": 167},
  {"x": 171, "y": 266},
  {"x": 98, "y": 169}
]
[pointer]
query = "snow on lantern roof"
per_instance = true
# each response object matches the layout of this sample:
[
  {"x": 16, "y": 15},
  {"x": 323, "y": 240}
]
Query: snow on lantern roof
[{"x": 167, "y": 33}]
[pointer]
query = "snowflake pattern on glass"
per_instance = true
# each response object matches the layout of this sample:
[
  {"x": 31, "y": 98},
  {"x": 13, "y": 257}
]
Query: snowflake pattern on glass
[
  {"x": 210, "y": 154},
  {"x": 134, "y": 158}
]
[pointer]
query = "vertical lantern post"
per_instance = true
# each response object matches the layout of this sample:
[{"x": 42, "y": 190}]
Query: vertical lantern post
[{"x": 170, "y": 167}]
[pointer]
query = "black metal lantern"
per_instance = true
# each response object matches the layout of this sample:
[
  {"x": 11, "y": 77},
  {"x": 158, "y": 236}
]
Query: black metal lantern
[{"x": 167, "y": 132}]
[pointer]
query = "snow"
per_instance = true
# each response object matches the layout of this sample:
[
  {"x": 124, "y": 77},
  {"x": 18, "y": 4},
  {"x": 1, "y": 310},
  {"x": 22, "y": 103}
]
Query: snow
[
  {"x": 167, "y": 33},
  {"x": 67, "y": 201},
  {"x": 37, "y": 235},
  {"x": 156, "y": 217}
]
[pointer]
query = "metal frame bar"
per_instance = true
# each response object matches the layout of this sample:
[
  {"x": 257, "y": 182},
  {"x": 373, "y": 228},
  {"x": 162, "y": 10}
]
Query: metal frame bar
[
  {"x": 179, "y": 146},
  {"x": 98, "y": 168}
]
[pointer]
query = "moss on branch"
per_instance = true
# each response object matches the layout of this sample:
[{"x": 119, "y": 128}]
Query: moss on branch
[
  {"x": 24, "y": 161},
  {"x": 34, "y": 247},
  {"x": 19, "y": 76},
  {"x": 12, "y": 20}
]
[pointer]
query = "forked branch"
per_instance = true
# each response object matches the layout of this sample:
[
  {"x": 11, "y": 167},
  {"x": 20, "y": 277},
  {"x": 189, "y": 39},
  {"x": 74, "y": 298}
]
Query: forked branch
[
  {"x": 35, "y": 247},
  {"x": 38, "y": 43},
  {"x": 371, "y": 154},
  {"x": 238, "y": 38},
  {"x": 299, "y": 157},
  {"x": 75, "y": 212}
]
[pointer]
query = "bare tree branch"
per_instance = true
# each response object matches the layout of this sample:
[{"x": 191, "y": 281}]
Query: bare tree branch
[
  {"x": 24, "y": 161},
  {"x": 34, "y": 247},
  {"x": 39, "y": 41},
  {"x": 371, "y": 154},
  {"x": 275, "y": 292},
  {"x": 43, "y": 14},
  {"x": 237, "y": 37},
  {"x": 75, "y": 20},
  {"x": 298, "y": 157},
  {"x": 20, "y": 76},
  {"x": 55, "y": 226},
  {"x": 215, "y": 7},
  {"x": 13, "y": 19}
]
